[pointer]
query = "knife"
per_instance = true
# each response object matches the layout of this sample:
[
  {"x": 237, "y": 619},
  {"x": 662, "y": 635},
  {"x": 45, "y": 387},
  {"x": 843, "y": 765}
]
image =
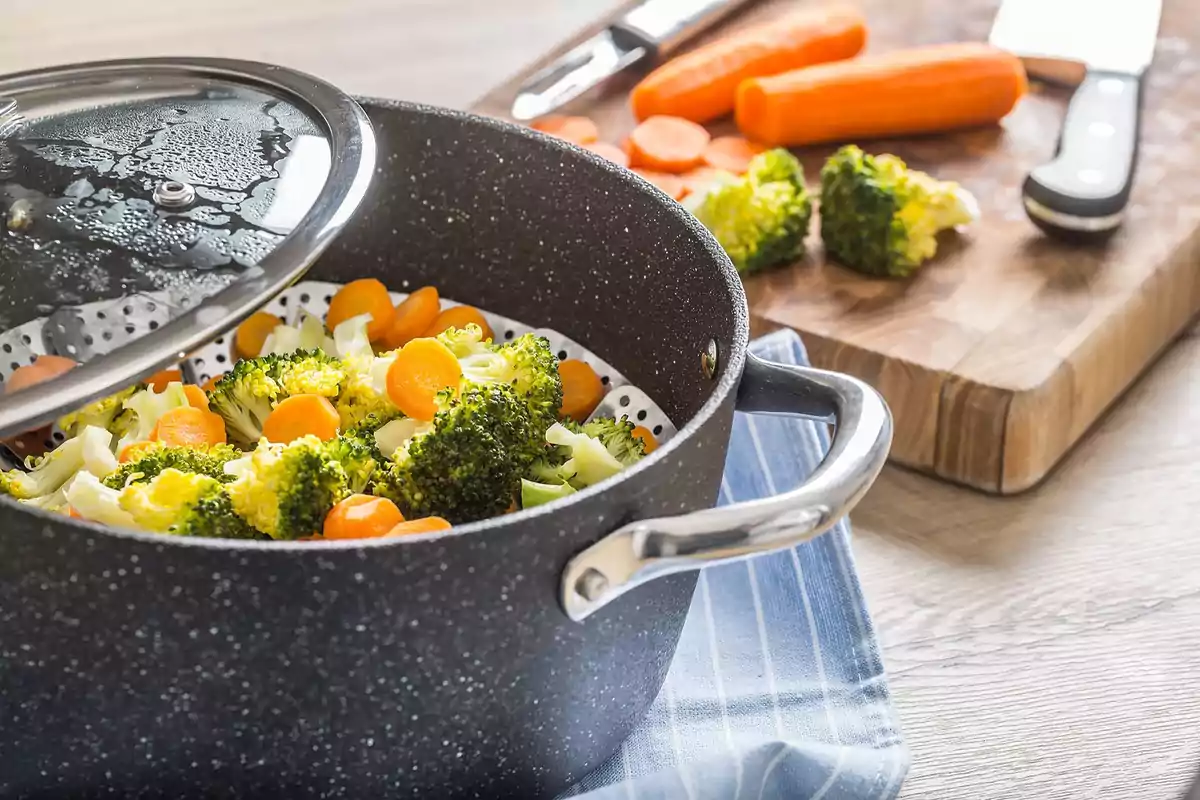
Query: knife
[
  {"x": 1082, "y": 193},
  {"x": 649, "y": 31}
]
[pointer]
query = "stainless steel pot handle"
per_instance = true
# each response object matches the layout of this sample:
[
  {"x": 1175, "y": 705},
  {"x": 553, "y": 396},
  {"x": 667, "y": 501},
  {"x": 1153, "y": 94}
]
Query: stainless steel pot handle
[{"x": 649, "y": 549}]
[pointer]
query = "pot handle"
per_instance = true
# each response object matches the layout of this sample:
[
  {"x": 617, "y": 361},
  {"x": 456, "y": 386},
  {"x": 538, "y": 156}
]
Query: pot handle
[{"x": 649, "y": 549}]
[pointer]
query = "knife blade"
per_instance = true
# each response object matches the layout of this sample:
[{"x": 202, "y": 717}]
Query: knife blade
[
  {"x": 1083, "y": 191},
  {"x": 648, "y": 32}
]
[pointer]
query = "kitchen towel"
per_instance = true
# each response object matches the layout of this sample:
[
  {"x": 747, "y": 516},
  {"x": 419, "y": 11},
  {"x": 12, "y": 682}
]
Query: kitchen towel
[{"x": 777, "y": 689}]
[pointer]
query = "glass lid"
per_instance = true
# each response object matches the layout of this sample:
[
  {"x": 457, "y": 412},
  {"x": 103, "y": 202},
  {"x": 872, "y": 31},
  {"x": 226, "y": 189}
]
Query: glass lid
[{"x": 148, "y": 206}]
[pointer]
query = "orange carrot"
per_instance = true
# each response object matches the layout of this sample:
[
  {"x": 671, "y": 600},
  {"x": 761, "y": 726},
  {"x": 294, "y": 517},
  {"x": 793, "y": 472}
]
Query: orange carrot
[
  {"x": 701, "y": 85},
  {"x": 250, "y": 336},
  {"x": 667, "y": 144},
  {"x": 363, "y": 296},
  {"x": 460, "y": 317},
  {"x": 673, "y": 185},
  {"x": 71, "y": 512},
  {"x": 579, "y": 130},
  {"x": 731, "y": 153},
  {"x": 422, "y": 369},
  {"x": 135, "y": 450},
  {"x": 647, "y": 437},
  {"x": 609, "y": 151},
  {"x": 422, "y": 525},
  {"x": 414, "y": 315},
  {"x": 301, "y": 415},
  {"x": 920, "y": 90},
  {"x": 43, "y": 368},
  {"x": 582, "y": 389},
  {"x": 186, "y": 426},
  {"x": 159, "y": 380},
  {"x": 196, "y": 396},
  {"x": 361, "y": 516}
]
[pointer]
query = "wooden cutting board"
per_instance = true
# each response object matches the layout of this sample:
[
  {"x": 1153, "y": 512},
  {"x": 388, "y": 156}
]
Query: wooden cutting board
[{"x": 1000, "y": 354}]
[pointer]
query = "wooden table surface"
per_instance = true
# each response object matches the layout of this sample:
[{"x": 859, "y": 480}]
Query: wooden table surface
[{"x": 1043, "y": 646}]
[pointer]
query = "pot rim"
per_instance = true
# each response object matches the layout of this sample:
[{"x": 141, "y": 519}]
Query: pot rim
[{"x": 730, "y": 375}]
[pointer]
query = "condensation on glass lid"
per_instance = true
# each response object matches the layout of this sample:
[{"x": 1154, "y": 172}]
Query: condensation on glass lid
[{"x": 180, "y": 193}]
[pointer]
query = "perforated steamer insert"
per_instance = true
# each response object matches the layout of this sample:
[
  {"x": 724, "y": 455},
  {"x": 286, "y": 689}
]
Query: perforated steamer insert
[{"x": 149, "y": 206}]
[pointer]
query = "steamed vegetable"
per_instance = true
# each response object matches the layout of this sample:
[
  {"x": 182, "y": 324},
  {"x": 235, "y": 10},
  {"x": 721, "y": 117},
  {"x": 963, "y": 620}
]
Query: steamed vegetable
[
  {"x": 208, "y": 461},
  {"x": 90, "y": 451},
  {"x": 882, "y": 218},
  {"x": 701, "y": 85},
  {"x": 919, "y": 90},
  {"x": 586, "y": 455},
  {"x": 178, "y": 503},
  {"x": 252, "y": 334},
  {"x": 107, "y": 412},
  {"x": 761, "y": 218},
  {"x": 365, "y": 296},
  {"x": 667, "y": 144}
]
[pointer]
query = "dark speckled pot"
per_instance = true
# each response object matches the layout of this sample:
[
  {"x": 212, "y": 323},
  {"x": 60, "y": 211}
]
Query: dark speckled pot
[{"x": 437, "y": 668}]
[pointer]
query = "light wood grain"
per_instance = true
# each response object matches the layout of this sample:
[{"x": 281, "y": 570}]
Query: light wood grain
[
  {"x": 1001, "y": 354},
  {"x": 1045, "y": 646}
]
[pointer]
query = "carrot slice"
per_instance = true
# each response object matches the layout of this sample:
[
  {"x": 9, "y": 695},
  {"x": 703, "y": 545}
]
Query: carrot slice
[
  {"x": 460, "y": 317},
  {"x": 43, "y": 368},
  {"x": 189, "y": 427},
  {"x": 250, "y": 336},
  {"x": 579, "y": 130},
  {"x": 364, "y": 296},
  {"x": 135, "y": 450},
  {"x": 582, "y": 389},
  {"x": 667, "y": 144},
  {"x": 159, "y": 380},
  {"x": 673, "y": 185},
  {"x": 211, "y": 383},
  {"x": 361, "y": 516},
  {"x": 422, "y": 525},
  {"x": 610, "y": 152},
  {"x": 647, "y": 437},
  {"x": 301, "y": 415},
  {"x": 71, "y": 512},
  {"x": 196, "y": 396},
  {"x": 414, "y": 315},
  {"x": 731, "y": 153},
  {"x": 422, "y": 369}
]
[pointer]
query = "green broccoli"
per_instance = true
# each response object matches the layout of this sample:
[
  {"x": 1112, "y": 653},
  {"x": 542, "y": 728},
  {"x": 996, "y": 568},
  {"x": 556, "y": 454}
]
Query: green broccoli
[
  {"x": 882, "y": 218},
  {"x": 182, "y": 504},
  {"x": 203, "y": 461},
  {"x": 358, "y": 456},
  {"x": 585, "y": 455},
  {"x": 364, "y": 394},
  {"x": 526, "y": 363},
  {"x": 536, "y": 494},
  {"x": 617, "y": 437},
  {"x": 468, "y": 464},
  {"x": 285, "y": 490},
  {"x": 89, "y": 451},
  {"x": 760, "y": 218},
  {"x": 107, "y": 412}
]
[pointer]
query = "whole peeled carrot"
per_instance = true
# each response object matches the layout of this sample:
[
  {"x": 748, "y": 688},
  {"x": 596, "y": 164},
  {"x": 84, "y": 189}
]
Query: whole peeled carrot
[
  {"x": 701, "y": 85},
  {"x": 918, "y": 90}
]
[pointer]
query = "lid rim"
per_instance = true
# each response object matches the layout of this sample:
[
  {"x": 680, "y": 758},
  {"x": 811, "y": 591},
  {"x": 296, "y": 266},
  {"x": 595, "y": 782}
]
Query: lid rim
[{"x": 353, "y": 149}]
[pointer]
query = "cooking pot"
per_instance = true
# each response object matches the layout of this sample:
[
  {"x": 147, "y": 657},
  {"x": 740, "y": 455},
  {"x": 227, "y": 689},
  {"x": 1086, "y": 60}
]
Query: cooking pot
[{"x": 505, "y": 658}]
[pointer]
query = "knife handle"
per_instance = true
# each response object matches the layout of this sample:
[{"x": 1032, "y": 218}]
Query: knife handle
[
  {"x": 662, "y": 26},
  {"x": 1083, "y": 192}
]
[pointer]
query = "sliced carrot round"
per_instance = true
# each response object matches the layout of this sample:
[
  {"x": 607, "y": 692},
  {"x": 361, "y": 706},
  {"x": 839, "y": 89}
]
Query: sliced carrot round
[
  {"x": 610, "y": 152},
  {"x": 414, "y": 315},
  {"x": 196, "y": 396},
  {"x": 579, "y": 130},
  {"x": 189, "y": 427},
  {"x": 667, "y": 144},
  {"x": 159, "y": 380},
  {"x": 731, "y": 153},
  {"x": 364, "y": 296},
  {"x": 211, "y": 383},
  {"x": 422, "y": 525},
  {"x": 422, "y": 369},
  {"x": 673, "y": 185},
  {"x": 460, "y": 317},
  {"x": 647, "y": 437},
  {"x": 250, "y": 336},
  {"x": 582, "y": 389},
  {"x": 361, "y": 516},
  {"x": 135, "y": 450},
  {"x": 301, "y": 415},
  {"x": 42, "y": 369}
]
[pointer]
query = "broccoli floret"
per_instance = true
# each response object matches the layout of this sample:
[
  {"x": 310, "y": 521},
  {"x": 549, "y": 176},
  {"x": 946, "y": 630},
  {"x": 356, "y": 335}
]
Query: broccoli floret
[
  {"x": 536, "y": 494},
  {"x": 617, "y": 437},
  {"x": 107, "y": 412},
  {"x": 285, "y": 490},
  {"x": 761, "y": 218},
  {"x": 364, "y": 394},
  {"x": 184, "y": 504},
  {"x": 526, "y": 363},
  {"x": 882, "y": 218},
  {"x": 585, "y": 455},
  {"x": 358, "y": 456},
  {"x": 208, "y": 461},
  {"x": 93, "y": 500},
  {"x": 89, "y": 451},
  {"x": 468, "y": 464}
]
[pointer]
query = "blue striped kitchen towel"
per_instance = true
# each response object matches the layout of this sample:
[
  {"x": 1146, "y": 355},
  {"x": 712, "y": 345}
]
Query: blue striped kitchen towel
[{"x": 777, "y": 689}]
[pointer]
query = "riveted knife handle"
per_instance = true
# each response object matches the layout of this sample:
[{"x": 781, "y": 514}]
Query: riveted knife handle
[
  {"x": 1083, "y": 191},
  {"x": 662, "y": 26}
]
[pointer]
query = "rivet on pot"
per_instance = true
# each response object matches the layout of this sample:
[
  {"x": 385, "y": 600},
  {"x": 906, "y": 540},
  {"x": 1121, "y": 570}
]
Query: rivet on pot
[
  {"x": 591, "y": 585},
  {"x": 174, "y": 194},
  {"x": 708, "y": 360}
]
